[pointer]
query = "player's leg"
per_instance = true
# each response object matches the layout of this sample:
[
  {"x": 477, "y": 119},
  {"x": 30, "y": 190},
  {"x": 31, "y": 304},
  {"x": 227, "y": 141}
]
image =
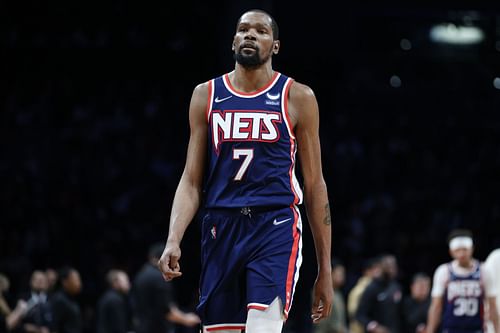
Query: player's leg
[
  {"x": 269, "y": 320},
  {"x": 222, "y": 305},
  {"x": 273, "y": 270}
]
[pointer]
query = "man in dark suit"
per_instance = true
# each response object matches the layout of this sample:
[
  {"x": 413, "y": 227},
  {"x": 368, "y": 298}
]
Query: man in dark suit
[
  {"x": 66, "y": 311},
  {"x": 113, "y": 310},
  {"x": 153, "y": 302}
]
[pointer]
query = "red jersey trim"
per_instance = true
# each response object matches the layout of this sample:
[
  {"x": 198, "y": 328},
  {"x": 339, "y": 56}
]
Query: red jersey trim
[
  {"x": 292, "y": 264},
  {"x": 222, "y": 327}
]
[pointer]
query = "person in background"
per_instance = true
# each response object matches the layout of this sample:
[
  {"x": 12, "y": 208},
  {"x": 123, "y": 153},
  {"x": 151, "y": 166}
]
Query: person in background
[
  {"x": 416, "y": 305},
  {"x": 66, "y": 311},
  {"x": 371, "y": 270},
  {"x": 337, "y": 321},
  {"x": 492, "y": 264},
  {"x": 113, "y": 311},
  {"x": 38, "y": 314},
  {"x": 380, "y": 309},
  {"x": 4, "y": 287},
  {"x": 152, "y": 299},
  {"x": 460, "y": 289},
  {"x": 51, "y": 275},
  {"x": 9, "y": 319}
]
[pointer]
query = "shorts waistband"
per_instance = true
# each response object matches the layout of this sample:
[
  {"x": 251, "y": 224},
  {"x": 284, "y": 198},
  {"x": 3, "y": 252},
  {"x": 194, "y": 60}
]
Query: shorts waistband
[{"x": 246, "y": 210}]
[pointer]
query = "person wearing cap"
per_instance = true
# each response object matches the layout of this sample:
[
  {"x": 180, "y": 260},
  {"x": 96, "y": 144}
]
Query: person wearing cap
[{"x": 460, "y": 290}]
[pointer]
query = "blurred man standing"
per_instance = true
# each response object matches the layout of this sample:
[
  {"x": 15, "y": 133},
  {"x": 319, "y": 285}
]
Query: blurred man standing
[
  {"x": 153, "y": 302},
  {"x": 65, "y": 309},
  {"x": 416, "y": 305},
  {"x": 492, "y": 264},
  {"x": 459, "y": 290},
  {"x": 337, "y": 321},
  {"x": 39, "y": 315},
  {"x": 113, "y": 312},
  {"x": 380, "y": 306},
  {"x": 371, "y": 270}
]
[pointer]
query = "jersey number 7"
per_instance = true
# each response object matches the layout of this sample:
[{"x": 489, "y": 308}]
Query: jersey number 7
[{"x": 248, "y": 157}]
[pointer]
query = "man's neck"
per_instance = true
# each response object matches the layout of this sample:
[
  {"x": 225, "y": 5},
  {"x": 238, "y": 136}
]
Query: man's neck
[{"x": 251, "y": 79}]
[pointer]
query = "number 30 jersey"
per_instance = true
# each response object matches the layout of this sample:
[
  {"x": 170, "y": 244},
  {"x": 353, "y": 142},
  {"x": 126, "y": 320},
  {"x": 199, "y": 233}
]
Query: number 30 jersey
[
  {"x": 251, "y": 146},
  {"x": 463, "y": 303}
]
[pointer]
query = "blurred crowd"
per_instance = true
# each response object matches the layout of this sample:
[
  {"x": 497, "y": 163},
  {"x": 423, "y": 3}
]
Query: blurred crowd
[{"x": 51, "y": 303}]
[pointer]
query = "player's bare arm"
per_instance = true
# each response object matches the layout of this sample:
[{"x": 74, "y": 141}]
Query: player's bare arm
[
  {"x": 493, "y": 313},
  {"x": 188, "y": 194},
  {"x": 303, "y": 109},
  {"x": 434, "y": 314}
]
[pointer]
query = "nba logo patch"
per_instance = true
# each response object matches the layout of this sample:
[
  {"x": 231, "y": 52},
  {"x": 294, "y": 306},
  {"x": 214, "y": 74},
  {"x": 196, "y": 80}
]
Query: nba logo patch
[{"x": 213, "y": 231}]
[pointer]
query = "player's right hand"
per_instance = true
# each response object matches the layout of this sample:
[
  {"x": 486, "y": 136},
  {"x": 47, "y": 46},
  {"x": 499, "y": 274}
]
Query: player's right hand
[{"x": 169, "y": 261}]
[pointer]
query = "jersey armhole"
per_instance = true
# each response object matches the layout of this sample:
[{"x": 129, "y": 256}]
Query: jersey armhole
[
  {"x": 210, "y": 97},
  {"x": 286, "y": 114}
]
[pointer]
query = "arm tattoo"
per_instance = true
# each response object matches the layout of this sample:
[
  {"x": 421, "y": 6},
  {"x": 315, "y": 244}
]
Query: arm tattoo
[{"x": 328, "y": 218}]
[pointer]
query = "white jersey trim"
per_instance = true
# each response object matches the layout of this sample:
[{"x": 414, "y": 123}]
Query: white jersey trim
[
  {"x": 228, "y": 86},
  {"x": 210, "y": 101}
]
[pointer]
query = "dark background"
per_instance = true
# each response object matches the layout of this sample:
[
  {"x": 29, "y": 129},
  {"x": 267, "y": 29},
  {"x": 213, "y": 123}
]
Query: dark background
[{"x": 94, "y": 130}]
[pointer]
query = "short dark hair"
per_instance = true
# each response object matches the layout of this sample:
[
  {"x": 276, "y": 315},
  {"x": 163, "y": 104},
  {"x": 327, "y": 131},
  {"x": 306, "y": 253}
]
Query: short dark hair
[
  {"x": 274, "y": 25},
  {"x": 370, "y": 263},
  {"x": 419, "y": 276},
  {"x": 62, "y": 274},
  {"x": 459, "y": 233}
]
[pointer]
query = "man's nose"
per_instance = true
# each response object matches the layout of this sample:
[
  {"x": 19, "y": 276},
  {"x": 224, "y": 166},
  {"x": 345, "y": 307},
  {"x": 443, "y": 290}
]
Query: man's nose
[{"x": 250, "y": 35}]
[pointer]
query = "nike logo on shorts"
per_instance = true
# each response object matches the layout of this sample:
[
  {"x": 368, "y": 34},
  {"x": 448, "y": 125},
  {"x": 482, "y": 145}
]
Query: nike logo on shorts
[
  {"x": 282, "y": 221},
  {"x": 218, "y": 100}
]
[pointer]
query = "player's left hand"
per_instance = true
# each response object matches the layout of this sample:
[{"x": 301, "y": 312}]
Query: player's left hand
[{"x": 322, "y": 298}]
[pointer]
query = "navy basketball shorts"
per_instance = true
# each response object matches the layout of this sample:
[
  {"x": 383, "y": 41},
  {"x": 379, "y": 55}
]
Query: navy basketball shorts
[{"x": 249, "y": 257}]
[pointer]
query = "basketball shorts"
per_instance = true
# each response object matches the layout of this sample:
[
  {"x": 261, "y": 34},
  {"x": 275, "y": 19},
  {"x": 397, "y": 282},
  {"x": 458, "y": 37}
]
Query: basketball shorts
[{"x": 249, "y": 257}]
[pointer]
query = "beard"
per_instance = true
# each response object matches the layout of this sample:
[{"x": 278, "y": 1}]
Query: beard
[{"x": 249, "y": 60}]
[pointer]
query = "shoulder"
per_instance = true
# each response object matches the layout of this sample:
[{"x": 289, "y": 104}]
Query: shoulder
[
  {"x": 201, "y": 90},
  {"x": 300, "y": 92},
  {"x": 493, "y": 258},
  {"x": 443, "y": 270}
]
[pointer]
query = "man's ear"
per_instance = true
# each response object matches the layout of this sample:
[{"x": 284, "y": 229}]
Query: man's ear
[{"x": 276, "y": 46}]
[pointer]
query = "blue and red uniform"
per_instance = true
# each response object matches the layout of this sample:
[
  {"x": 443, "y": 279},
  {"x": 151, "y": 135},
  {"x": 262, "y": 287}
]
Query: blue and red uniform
[
  {"x": 463, "y": 304},
  {"x": 251, "y": 232}
]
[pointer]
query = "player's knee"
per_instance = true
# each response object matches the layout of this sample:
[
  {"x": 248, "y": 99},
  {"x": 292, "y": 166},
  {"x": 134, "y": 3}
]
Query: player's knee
[{"x": 269, "y": 320}]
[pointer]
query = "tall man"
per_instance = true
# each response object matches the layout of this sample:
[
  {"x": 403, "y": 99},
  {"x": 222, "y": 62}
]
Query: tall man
[{"x": 246, "y": 128}]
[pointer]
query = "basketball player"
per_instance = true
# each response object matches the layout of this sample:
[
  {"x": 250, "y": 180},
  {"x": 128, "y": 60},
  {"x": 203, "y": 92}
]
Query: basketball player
[
  {"x": 492, "y": 263},
  {"x": 246, "y": 127},
  {"x": 459, "y": 290}
]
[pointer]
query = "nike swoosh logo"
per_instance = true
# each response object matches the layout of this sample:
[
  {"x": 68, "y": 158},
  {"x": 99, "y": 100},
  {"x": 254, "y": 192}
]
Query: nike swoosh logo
[
  {"x": 218, "y": 100},
  {"x": 282, "y": 221}
]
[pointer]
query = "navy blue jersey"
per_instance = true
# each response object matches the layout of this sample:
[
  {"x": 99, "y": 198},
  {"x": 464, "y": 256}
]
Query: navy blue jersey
[
  {"x": 251, "y": 146},
  {"x": 463, "y": 303}
]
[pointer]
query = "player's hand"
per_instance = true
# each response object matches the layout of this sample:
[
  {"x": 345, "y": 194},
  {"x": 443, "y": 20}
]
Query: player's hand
[
  {"x": 192, "y": 319},
  {"x": 322, "y": 298},
  {"x": 169, "y": 261}
]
